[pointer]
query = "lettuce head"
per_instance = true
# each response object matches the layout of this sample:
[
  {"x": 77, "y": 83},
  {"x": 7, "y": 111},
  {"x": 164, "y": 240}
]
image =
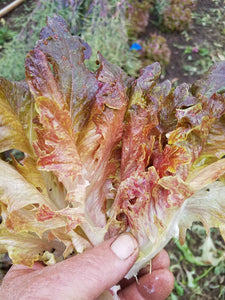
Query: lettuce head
[{"x": 105, "y": 153}]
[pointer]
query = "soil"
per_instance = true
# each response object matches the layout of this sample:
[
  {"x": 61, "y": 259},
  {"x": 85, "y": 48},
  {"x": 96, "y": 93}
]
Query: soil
[
  {"x": 200, "y": 33},
  {"x": 10, "y": 17}
]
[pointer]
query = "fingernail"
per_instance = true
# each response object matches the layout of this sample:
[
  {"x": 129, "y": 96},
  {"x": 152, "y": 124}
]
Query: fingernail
[{"x": 124, "y": 246}]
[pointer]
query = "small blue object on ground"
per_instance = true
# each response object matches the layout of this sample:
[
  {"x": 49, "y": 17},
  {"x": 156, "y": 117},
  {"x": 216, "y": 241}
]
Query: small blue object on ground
[{"x": 135, "y": 46}]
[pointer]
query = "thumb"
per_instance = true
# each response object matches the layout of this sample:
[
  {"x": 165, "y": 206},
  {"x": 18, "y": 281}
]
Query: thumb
[{"x": 98, "y": 269}]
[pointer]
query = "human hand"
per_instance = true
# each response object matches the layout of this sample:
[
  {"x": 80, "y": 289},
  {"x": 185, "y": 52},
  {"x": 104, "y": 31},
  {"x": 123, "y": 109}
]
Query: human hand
[{"x": 86, "y": 276}]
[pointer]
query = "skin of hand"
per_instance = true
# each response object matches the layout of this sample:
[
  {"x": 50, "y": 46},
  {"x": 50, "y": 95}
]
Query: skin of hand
[{"x": 86, "y": 276}]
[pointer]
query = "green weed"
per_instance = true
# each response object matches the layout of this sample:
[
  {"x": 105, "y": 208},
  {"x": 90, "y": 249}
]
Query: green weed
[
  {"x": 6, "y": 34},
  {"x": 197, "y": 59},
  {"x": 213, "y": 18},
  {"x": 198, "y": 265}
]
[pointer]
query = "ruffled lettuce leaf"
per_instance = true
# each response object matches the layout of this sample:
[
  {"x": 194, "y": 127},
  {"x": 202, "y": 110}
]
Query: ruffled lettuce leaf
[
  {"x": 24, "y": 248},
  {"x": 165, "y": 170},
  {"x": 16, "y": 107},
  {"x": 76, "y": 144},
  {"x": 106, "y": 153},
  {"x": 213, "y": 82}
]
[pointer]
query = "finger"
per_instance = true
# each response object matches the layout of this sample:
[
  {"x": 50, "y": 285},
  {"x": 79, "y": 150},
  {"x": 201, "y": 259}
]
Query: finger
[
  {"x": 87, "y": 275},
  {"x": 20, "y": 270},
  {"x": 160, "y": 261},
  {"x": 155, "y": 286}
]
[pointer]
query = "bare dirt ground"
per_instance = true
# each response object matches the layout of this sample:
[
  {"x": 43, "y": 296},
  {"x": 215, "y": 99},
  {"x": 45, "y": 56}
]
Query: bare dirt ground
[{"x": 206, "y": 32}]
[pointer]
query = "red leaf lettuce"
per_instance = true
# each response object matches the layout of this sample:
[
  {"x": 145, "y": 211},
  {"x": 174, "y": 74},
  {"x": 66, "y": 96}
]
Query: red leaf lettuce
[{"x": 106, "y": 153}]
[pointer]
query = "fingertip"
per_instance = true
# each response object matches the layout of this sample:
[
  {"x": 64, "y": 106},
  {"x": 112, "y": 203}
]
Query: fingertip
[{"x": 156, "y": 286}]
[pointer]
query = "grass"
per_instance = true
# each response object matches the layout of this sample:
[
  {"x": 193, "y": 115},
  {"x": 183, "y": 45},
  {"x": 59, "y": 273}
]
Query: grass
[
  {"x": 6, "y": 34},
  {"x": 109, "y": 28},
  {"x": 105, "y": 22},
  {"x": 13, "y": 55}
]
